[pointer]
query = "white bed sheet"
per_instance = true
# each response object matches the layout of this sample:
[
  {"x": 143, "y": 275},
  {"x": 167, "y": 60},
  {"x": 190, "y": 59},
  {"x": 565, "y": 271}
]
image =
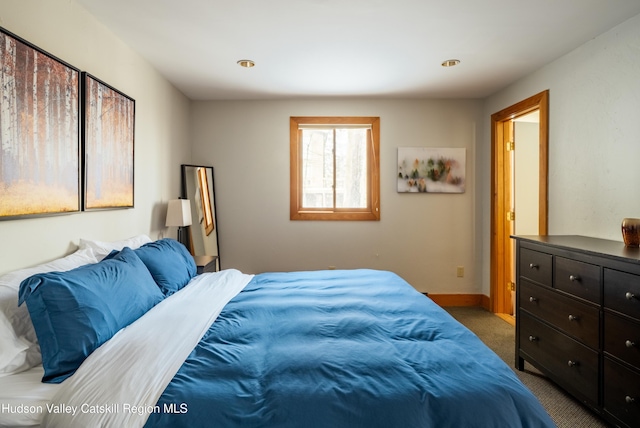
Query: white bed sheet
[
  {"x": 120, "y": 382},
  {"x": 24, "y": 398}
]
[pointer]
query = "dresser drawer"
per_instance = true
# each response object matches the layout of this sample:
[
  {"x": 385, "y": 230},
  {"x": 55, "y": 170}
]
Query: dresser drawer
[
  {"x": 622, "y": 292},
  {"x": 622, "y": 338},
  {"x": 577, "y": 319},
  {"x": 536, "y": 266},
  {"x": 572, "y": 365},
  {"x": 621, "y": 392},
  {"x": 578, "y": 278}
]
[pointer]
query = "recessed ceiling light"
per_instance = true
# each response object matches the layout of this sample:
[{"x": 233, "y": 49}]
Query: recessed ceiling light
[
  {"x": 247, "y": 63},
  {"x": 451, "y": 63}
]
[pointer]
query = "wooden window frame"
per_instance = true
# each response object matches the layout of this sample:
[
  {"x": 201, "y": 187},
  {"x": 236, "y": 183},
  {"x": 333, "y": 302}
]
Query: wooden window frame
[{"x": 372, "y": 211}]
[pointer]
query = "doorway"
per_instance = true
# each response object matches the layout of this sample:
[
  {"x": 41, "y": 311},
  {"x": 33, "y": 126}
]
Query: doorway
[{"x": 505, "y": 191}]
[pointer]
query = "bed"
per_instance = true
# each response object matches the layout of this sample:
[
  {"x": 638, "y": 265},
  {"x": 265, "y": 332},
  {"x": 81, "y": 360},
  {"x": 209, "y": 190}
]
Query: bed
[{"x": 338, "y": 348}]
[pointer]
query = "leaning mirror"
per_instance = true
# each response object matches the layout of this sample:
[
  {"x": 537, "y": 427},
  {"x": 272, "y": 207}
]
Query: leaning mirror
[{"x": 202, "y": 235}]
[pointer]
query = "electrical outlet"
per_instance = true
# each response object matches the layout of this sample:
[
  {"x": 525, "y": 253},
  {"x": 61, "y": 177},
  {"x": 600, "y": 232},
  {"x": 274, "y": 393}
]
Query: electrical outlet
[{"x": 460, "y": 271}]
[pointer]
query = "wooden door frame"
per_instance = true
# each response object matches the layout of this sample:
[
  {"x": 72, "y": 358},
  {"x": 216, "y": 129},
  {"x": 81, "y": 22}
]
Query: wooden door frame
[{"x": 501, "y": 259}]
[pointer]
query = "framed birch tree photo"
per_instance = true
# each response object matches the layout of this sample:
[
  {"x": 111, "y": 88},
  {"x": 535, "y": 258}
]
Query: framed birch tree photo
[
  {"x": 39, "y": 131},
  {"x": 108, "y": 142}
]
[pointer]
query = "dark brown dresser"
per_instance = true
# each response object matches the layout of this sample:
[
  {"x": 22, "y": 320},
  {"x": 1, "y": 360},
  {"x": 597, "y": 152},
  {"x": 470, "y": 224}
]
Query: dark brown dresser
[{"x": 578, "y": 319}]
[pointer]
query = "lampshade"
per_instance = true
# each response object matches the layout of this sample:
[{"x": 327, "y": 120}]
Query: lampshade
[{"x": 179, "y": 213}]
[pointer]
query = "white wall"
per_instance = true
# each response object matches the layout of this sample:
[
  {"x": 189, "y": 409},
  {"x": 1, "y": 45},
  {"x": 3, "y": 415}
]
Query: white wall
[
  {"x": 67, "y": 31},
  {"x": 594, "y": 136},
  {"x": 421, "y": 237}
]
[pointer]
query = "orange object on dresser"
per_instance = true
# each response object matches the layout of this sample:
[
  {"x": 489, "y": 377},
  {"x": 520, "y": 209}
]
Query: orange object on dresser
[{"x": 631, "y": 232}]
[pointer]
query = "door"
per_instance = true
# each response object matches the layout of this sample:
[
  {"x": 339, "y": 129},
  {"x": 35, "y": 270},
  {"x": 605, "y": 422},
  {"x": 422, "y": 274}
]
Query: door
[
  {"x": 504, "y": 192},
  {"x": 525, "y": 182}
]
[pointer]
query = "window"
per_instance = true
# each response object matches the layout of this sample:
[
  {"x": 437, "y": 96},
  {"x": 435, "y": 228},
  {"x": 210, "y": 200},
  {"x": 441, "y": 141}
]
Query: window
[{"x": 335, "y": 168}]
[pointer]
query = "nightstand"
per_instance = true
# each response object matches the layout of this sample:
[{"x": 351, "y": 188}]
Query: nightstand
[{"x": 206, "y": 263}]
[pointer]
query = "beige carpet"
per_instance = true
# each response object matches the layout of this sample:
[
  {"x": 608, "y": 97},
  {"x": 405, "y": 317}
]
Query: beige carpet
[{"x": 498, "y": 335}]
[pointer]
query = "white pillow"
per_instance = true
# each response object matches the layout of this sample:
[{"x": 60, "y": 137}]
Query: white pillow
[
  {"x": 102, "y": 249},
  {"x": 18, "y": 319},
  {"x": 13, "y": 350}
]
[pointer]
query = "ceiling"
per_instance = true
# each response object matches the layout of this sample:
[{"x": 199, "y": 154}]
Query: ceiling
[{"x": 353, "y": 48}]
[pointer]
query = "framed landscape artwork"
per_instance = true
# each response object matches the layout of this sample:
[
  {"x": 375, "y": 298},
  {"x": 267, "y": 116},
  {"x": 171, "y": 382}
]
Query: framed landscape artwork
[
  {"x": 431, "y": 170},
  {"x": 108, "y": 142},
  {"x": 39, "y": 131}
]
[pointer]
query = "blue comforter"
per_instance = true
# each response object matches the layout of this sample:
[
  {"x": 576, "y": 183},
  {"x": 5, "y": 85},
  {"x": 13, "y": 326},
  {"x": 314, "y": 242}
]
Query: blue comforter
[{"x": 334, "y": 349}]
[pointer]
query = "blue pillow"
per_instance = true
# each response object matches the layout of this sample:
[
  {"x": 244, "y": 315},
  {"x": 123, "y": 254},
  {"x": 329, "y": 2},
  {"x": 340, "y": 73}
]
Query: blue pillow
[
  {"x": 169, "y": 262},
  {"x": 75, "y": 312}
]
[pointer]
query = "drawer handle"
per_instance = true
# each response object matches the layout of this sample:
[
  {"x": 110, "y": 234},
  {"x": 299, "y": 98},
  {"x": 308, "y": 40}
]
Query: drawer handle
[
  {"x": 629, "y": 400},
  {"x": 533, "y": 299},
  {"x": 574, "y": 278},
  {"x": 533, "y": 338},
  {"x": 573, "y": 318},
  {"x": 571, "y": 363},
  {"x": 629, "y": 344},
  {"x": 630, "y": 295},
  {"x": 533, "y": 266}
]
